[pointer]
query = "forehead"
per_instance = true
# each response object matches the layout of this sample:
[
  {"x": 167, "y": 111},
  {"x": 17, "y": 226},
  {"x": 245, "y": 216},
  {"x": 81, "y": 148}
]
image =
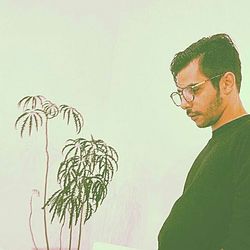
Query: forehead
[{"x": 190, "y": 74}]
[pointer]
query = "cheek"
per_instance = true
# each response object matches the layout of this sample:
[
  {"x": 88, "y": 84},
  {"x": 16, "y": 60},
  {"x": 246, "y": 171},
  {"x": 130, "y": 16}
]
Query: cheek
[
  {"x": 203, "y": 101},
  {"x": 215, "y": 104},
  {"x": 206, "y": 104}
]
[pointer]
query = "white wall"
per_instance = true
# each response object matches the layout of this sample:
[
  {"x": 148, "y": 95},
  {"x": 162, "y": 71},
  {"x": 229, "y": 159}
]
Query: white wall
[{"x": 110, "y": 59}]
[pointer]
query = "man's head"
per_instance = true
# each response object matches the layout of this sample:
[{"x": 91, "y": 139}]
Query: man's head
[
  {"x": 217, "y": 55},
  {"x": 214, "y": 64}
]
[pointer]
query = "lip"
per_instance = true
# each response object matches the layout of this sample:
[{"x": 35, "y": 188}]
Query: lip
[
  {"x": 194, "y": 117},
  {"x": 192, "y": 114}
]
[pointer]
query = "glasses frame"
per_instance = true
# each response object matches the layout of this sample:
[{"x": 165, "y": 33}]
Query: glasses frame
[{"x": 190, "y": 86}]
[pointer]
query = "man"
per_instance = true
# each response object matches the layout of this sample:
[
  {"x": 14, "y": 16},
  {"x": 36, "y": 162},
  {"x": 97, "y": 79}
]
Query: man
[{"x": 213, "y": 212}]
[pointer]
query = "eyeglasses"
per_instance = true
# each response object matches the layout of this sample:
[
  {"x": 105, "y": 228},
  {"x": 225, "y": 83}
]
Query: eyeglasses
[{"x": 188, "y": 93}]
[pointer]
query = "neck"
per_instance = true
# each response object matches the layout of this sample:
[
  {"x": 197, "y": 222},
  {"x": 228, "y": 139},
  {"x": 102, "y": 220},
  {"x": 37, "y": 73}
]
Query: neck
[{"x": 230, "y": 113}]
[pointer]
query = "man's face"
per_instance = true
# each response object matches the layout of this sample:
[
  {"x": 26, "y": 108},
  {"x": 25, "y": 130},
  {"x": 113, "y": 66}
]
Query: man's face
[{"x": 207, "y": 107}]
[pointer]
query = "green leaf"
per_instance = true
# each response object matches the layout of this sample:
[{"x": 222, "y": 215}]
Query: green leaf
[{"x": 33, "y": 100}]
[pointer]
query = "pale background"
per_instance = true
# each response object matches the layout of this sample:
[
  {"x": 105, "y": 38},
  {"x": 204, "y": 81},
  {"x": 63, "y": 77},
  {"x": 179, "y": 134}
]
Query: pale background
[{"x": 109, "y": 59}]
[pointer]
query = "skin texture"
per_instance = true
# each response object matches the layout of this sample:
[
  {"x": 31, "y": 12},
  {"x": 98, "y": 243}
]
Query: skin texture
[{"x": 210, "y": 107}]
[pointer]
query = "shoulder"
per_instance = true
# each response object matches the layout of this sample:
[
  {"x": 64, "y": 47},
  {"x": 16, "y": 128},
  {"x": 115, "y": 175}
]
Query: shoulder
[
  {"x": 240, "y": 133},
  {"x": 241, "y": 150}
]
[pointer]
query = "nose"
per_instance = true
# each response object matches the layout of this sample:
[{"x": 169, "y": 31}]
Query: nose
[{"x": 185, "y": 104}]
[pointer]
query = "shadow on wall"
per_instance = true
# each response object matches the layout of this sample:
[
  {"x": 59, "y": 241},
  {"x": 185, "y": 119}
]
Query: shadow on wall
[
  {"x": 106, "y": 246},
  {"x": 53, "y": 248},
  {"x": 97, "y": 246}
]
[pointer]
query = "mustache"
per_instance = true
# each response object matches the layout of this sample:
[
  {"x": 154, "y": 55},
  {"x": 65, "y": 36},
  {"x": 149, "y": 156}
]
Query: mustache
[{"x": 191, "y": 113}]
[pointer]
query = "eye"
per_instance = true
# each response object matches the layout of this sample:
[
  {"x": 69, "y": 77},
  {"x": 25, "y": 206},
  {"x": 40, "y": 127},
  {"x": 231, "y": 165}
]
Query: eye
[{"x": 195, "y": 89}]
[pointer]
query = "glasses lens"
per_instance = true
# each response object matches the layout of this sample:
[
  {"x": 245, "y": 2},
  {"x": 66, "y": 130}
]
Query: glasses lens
[
  {"x": 176, "y": 98},
  {"x": 188, "y": 94}
]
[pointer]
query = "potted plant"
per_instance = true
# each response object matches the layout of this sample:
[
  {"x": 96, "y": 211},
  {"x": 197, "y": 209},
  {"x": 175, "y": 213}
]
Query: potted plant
[{"x": 83, "y": 175}]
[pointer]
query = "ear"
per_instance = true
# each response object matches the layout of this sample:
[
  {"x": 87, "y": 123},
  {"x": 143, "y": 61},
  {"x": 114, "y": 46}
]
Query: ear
[{"x": 227, "y": 83}]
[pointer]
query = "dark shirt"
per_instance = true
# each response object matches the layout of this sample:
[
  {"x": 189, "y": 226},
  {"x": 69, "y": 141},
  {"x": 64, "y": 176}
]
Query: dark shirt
[{"x": 214, "y": 209}]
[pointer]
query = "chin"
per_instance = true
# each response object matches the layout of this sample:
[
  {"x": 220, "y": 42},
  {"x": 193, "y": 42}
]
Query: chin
[
  {"x": 205, "y": 124},
  {"x": 202, "y": 125}
]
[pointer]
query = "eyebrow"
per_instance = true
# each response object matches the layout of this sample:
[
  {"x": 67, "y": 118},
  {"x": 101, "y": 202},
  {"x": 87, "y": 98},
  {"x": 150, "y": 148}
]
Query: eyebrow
[
  {"x": 179, "y": 89},
  {"x": 189, "y": 85}
]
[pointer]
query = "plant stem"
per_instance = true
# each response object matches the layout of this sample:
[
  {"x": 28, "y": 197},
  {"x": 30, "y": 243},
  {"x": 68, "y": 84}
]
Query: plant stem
[
  {"x": 61, "y": 233},
  {"x": 32, "y": 235},
  {"x": 46, "y": 183},
  {"x": 80, "y": 230},
  {"x": 70, "y": 237}
]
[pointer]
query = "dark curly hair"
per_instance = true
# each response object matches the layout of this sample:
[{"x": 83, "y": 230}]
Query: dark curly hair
[{"x": 217, "y": 55}]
